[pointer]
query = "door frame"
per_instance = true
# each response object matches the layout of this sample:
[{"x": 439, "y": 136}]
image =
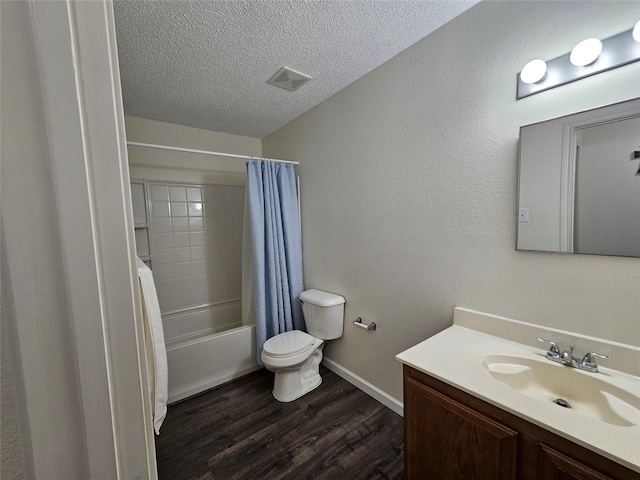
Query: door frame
[{"x": 79, "y": 77}]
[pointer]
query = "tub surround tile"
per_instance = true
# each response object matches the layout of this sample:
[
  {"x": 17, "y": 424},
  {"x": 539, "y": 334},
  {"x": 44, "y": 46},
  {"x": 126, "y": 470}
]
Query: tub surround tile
[{"x": 197, "y": 238}]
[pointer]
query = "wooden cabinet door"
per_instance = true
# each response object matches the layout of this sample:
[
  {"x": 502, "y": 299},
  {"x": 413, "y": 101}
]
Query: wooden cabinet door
[
  {"x": 557, "y": 466},
  {"x": 446, "y": 440}
]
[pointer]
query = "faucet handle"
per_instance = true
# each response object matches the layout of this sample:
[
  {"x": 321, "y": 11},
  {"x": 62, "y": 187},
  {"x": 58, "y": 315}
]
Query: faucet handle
[
  {"x": 554, "y": 351},
  {"x": 588, "y": 363}
]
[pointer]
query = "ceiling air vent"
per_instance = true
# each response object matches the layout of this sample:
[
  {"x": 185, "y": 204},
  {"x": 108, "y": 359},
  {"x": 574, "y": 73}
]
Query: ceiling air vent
[{"x": 288, "y": 79}]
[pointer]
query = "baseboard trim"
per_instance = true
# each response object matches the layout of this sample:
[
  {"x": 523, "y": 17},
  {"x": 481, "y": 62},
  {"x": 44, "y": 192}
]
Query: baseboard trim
[{"x": 371, "y": 390}]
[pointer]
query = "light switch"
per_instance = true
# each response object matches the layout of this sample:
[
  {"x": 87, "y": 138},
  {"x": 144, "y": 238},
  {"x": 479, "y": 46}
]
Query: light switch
[{"x": 523, "y": 215}]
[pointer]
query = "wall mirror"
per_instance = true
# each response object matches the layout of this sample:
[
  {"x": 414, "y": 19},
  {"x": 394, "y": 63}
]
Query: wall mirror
[{"x": 579, "y": 183}]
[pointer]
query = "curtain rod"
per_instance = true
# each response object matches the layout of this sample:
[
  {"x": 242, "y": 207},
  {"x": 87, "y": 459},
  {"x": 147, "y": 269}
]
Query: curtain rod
[{"x": 206, "y": 152}]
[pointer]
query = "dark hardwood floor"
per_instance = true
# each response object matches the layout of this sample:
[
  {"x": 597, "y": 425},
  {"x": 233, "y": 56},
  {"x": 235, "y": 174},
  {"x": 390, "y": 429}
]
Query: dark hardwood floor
[{"x": 239, "y": 431}]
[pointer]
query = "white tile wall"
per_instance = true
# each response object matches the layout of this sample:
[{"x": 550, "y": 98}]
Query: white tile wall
[
  {"x": 181, "y": 239},
  {"x": 194, "y": 194},
  {"x": 163, "y": 240},
  {"x": 178, "y": 194},
  {"x": 178, "y": 209},
  {"x": 161, "y": 225},
  {"x": 195, "y": 209},
  {"x": 160, "y": 193},
  {"x": 180, "y": 224},
  {"x": 197, "y": 244},
  {"x": 161, "y": 209},
  {"x": 163, "y": 256}
]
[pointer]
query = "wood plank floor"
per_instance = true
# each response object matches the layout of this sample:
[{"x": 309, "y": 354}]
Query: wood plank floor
[{"x": 239, "y": 431}]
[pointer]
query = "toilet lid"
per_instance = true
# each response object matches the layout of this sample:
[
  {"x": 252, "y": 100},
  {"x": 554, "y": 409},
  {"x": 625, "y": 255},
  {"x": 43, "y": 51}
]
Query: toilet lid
[{"x": 288, "y": 343}]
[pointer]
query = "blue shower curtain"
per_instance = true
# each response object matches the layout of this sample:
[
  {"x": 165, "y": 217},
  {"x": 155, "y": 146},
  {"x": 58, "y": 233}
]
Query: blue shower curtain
[{"x": 276, "y": 249}]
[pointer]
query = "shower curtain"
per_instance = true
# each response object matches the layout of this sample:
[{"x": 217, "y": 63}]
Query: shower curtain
[{"x": 276, "y": 249}]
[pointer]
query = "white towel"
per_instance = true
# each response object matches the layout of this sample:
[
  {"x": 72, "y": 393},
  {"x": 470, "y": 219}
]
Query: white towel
[{"x": 154, "y": 333}]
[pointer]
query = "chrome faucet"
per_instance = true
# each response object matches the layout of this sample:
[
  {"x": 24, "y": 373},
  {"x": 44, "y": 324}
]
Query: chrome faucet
[{"x": 588, "y": 363}]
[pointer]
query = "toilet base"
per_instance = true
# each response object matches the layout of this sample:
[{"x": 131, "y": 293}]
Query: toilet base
[{"x": 291, "y": 384}]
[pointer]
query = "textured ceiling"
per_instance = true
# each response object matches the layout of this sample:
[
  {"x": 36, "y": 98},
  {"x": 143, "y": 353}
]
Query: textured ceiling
[{"x": 205, "y": 63}]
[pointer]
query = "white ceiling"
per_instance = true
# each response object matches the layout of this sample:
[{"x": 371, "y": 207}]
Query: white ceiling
[{"x": 204, "y": 64}]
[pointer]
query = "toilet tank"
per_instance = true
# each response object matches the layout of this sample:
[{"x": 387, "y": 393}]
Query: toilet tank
[{"x": 323, "y": 313}]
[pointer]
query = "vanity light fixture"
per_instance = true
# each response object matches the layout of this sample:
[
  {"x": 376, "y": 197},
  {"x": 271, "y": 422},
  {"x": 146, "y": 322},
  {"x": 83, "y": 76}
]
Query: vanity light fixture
[
  {"x": 589, "y": 57},
  {"x": 534, "y": 71},
  {"x": 586, "y": 52}
]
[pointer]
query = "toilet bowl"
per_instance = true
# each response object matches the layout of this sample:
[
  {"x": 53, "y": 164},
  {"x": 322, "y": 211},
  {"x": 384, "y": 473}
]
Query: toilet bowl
[{"x": 295, "y": 356}]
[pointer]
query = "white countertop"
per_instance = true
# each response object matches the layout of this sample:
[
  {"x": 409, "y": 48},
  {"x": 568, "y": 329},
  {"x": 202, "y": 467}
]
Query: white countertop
[{"x": 456, "y": 355}]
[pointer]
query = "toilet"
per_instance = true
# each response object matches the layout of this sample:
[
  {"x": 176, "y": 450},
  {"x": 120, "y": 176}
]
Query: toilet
[{"x": 295, "y": 356}]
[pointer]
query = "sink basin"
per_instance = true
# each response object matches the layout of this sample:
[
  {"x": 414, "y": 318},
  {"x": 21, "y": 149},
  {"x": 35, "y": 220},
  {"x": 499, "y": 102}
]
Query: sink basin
[{"x": 585, "y": 393}]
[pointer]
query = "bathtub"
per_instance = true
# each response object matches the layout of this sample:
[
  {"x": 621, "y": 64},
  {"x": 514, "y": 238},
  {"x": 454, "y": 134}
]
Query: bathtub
[{"x": 203, "y": 352}]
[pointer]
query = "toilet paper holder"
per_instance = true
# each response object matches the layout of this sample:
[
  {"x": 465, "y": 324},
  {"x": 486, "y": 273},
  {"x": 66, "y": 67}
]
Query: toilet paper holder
[{"x": 358, "y": 323}]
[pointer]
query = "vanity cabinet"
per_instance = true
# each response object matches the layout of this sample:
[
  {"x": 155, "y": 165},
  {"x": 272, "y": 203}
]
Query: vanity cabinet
[{"x": 451, "y": 435}]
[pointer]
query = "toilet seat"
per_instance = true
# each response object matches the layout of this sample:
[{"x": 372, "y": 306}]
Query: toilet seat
[{"x": 288, "y": 344}]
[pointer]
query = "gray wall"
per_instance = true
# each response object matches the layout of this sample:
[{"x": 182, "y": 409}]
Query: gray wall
[
  {"x": 154, "y": 164},
  {"x": 408, "y": 180},
  {"x": 35, "y": 314}
]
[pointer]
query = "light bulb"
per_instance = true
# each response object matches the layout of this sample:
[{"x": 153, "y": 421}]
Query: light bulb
[
  {"x": 534, "y": 71},
  {"x": 636, "y": 32},
  {"x": 586, "y": 52}
]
